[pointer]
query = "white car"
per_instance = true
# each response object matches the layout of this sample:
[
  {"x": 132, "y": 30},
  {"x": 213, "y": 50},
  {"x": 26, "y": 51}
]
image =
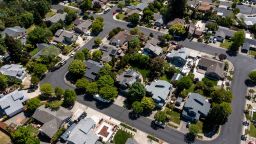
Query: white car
[{"x": 72, "y": 54}]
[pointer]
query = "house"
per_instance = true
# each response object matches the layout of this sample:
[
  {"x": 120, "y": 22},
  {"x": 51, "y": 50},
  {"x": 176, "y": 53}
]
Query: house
[
  {"x": 224, "y": 33},
  {"x": 121, "y": 38},
  {"x": 248, "y": 45},
  {"x": 14, "y": 70},
  {"x": 177, "y": 21},
  {"x": 92, "y": 69},
  {"x": 64, "y": 36},
  {"x": 249, "y": 20},
  {"x": 56, "y": 18},
  {"x": 152, "y": 50},
  {"x": 130, "y": 12},
  {"x": 12, "y": 103},
  {"x": 14, "y": 32},
  {"x": 159, "y": 90},
  {"x": 46, "y": 50},
  {"x": 109, "y": 52},
  {"x": 195, "y": 107},
  {"x": 81, "y": 133},
  {"x": 158, "y": 18},
  {"x": 195, "y": 30},
  {"x": 142, "y": 6},
  {"x": 205, "y": 7},
  {"x": 245, "y": 48},
  {"x": 223, "y": 11},
  {"x": 127, "y": 79},
  {"x": 246, "y": 9},
  {"x": 178, "y": 57},
  {"x": 51, "y": 120},
  {"x": 213, "y": 68},
  {"x": 83, "y": 27}
]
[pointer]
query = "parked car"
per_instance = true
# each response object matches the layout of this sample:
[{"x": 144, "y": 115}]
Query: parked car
[
  {"x": 245, "y": 123},
  {"x": 72, "y": 54},
  {"x": 107, "y": 10},
  {"x": 159, "y": 124},
  {"x": 243, "y": 137}
]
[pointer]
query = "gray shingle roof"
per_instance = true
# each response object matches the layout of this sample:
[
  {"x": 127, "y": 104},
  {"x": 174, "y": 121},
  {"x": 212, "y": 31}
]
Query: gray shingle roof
[
  {"x": 11, "y": 103},
  {"x": 127, "y": 78},
  {"x": 180, "y": 53},
  {"x": 14, "y": 31},
  {"x": 92, "y": 69},
  {"x": 249, "y": 20},
  {"x": 14, "y": 70},
  {"x": 56, "y": 18},
  {"x": 156, "y": 50},
  {"x": 62, "y": 35},
  {"x": 195, "y": 107}
]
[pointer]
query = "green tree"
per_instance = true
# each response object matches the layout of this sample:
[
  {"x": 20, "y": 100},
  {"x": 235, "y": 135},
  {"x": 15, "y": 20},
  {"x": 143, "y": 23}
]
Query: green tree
[
  {"x": 79, "y": 56},
  {"x": 221, "y": 95},
  {"x": 156, "y": 66},
  {"x": 106, "y": 70},
  {"x": 136, "y": 92},
  {"x": 32, "y": 104},
  {"x": 39, "y": 35},
  {"x": 56, "y": 26},
  {"x": 97, "y": 41},
  {"x": 26, "y": 19},
  {"x": 86, "y": 53},
  {"x": 77, "y": 68},
  {"x": 39, "y": 70},
  {"x": 177, "y": 8},
  {"x": 219, "y": 113},
  {"x": 34, "y": 80},
  {"x": 193, "y": 130},
  {"x": 96, "y": 55},
  {"x": 134, "y": 19},
  {"x": 108, "y": 92},
  {"x": 3, "y": 82},
  {"x": 86, "y": 5},
  {"x": 97, "y": 26},
  {"x": 92, "y": 88},
  {"x": 46, "y": 90},
  {"x": 134, "y": 44},
  {"x": 105, "y": 80},
  {"x": 70, "y": 17},
  {"x": 212, "y": 26},
  {"x": 137, "y": 107},
  {"x": 121, "y": 4},
  {"x": 59, "y": 92},
  {"x": 81, "y": 84},
  {"x": 147, "y": 15},
  {"x": 177, "y": 29},
  {"x": 160, "y": 116},
  {"x": 184, "y": 83},
  {"x": 252, "y": 76},
  {"x": 148, "y": 103},
  {"x": 25, "y": 135},
  {"x": 14, "y": 48},
  {"x": 237, "y": 40},
  {"x": 69, "y": 98}
]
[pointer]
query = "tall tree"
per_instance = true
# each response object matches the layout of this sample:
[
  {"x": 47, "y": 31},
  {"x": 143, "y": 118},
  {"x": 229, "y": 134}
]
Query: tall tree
[
  {"x": 177, "y": 8},
  {"x": 108, "y": 92},
  {"x": 160, "y": 116},
  {"x": 136, "y": 92},
  {"x": 77, "y": 68},
  {"x": 148, "y": 103},
  {"x": 25, "y": 135},
  {"x": 69, "y": 98},
  {"x": 105, "y": 80},
  {"x": 14, "y": 47},
  {"x": 137, "y": 107},
  {"x": 39, "y": 35},
  {"x": 219, "y": 113},
  {"x": 237, "y": 40},
  {"x": 86, "y": 5}
]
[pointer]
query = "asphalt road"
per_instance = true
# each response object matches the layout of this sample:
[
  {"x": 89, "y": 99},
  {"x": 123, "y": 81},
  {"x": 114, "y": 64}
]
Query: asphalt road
[{"x": 231, "y": 131}]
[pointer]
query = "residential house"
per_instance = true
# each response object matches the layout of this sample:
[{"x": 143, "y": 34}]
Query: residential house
[
  {"x": 159, "y": 90},
  {"x": 197, "y": 29},
  {"x": 51, "y": 120},
  {"x": 195, "y": 107},
  {"x": 178, "y": 57},
  {"x": 46, "y": 50},
  {"x": 220, "y": 36},
  {"x": 83, "y": 27},
  {"x": 92, "y": 69},
  {"x": 130, "y": 12},
  {"x": 249, "y": 20},
  {"x": 14, "y": 32},
  {"x": 152, "y": 50},
  {"x": 64, "y": 36},
  {"x": 127, "y": 79},
  {"x": 158, "y": 18},
  {"x": 109, "y": 52},
  {"x": 131, "y": 141},
  {"x": 14, "y": 70},
  {"x": 249, "y": 44},
  {"x": 121, "y": 38},
  {"x": 81, "y": 133},
  {"x": 12, "y": 103},
  {"x": 56, "y": 18},
  {"x": 213, "y": 68},
  {"x": 177, "y": 20},
  {"x": 205, "y": 7},
  {"x": 224, "y": 12},
  {"x": 223, "y": 33}
]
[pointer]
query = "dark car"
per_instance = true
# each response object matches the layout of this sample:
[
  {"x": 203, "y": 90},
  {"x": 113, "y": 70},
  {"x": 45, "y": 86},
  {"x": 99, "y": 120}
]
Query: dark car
[
  {"x": 245, "y": 123},
  {"x": 243, "y": 137},
  {"x": 159, "y": 124}
]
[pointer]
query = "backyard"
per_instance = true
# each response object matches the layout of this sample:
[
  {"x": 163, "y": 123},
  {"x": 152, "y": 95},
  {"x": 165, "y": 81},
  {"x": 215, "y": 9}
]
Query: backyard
[{"x": 121, "y": 136}]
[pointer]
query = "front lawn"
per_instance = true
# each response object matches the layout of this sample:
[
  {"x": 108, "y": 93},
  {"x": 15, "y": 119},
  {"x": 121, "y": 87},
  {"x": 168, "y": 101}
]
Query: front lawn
[
  {"x": 175, "y": 116},
  {"x": 200, "y": 126},
  {"x": 121, "y": 136},
  {"x": 135, "y": 3},
  {"x": 252, "y": 131},
  {"x": 252, "y": 53},
  {"x": 33, "y": 52},
  {"x": 226, "y": 44},
  {"x": 120, "y": 16}
]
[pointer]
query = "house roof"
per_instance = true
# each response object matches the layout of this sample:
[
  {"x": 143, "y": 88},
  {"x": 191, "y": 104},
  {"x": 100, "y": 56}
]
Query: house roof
[
  {"x": 246, "y": 46},
  {"x": 61, "y": 34},
  {"x": 160, "y": 90},
  {"x": 131, "y": 141},
  {"x": 121, "y": 38},
  {"x": 78, "y": 21},
  {"x": 83, "y": 132},
  {"x": 195, "y": 106},
  {"x": 212, "y": 65},
  {"x": 223, "y": 11},
  {"x": 14, "y": 31},
  {"x": 109, "y": 51},
  {"x": 128, "y": 77},
  {"x": 158, "y": 18},
  {"x": 249, "y": 20},
  {"x": 14, "y": 70},
  {"x": 142, "y": 6},
  {"x": 228, "y": 32},
  {"x": 244, "y": 9},
  {"x": 154, "y": 48},
  {"x": 177, "y": 20},
  {"x": 57, "y": 17},
  {"x": 92, "y": 69},
  {"x": 205, "y": 6},
  {"x": 52, "y": 120},
  {"x": 12, "y": 102},
  {"x": 84, "y": 26},
  {"x": 180, "y": 53},
  {"x": 220, "y": 33}
]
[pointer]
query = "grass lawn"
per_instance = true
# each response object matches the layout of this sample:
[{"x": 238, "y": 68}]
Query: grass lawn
[
  {"x": 200, "y": 126},
  {"x": 164, "y": 77},
  {"x": 4, "y": 139},
  {"x": 70, "y": 27},
  {"x": 120, "y": 16},
  {"x": 121, "y": 136},
  {"x": 252, "y": 131},
  {"x": 175, "y": 116},
  {"x": 50, "y": 14},
  {"x": 135, "y": 3},
  {"x": 33, "y": 52},
  {"x": 226, "y": 44},
  {"x": 252, "y": 53},
  {"x": 143, "y": 72},
  {"x": 30, "y": 29},
  {"x": 254, "y": 116}
]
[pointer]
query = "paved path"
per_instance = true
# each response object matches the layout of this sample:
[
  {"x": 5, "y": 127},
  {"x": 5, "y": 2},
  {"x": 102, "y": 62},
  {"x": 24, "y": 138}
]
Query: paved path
[{"x": 231, "y": 131}]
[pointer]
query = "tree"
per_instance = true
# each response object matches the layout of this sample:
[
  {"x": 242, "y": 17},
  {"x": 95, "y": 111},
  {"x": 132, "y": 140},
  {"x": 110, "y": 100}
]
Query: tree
[
  {"x": 25, "y": 135},
  {"x": 137, "y": 107},
  {"x": 56, "y": 26},
  {"x": 26, "y": 19},
  {"x": 77, "y": 68},
  {"x": 106, "y": 70},
  {"x": 46, "y": 89},
  {"x": 219, "y": 113},
  {"x": 69, "y": 98},
  {"x": 121, "y": 4},
  {"x": 237, "y": 40},
  {"x": 148, "y": 103},
  {"x": 32, "y": 104},
  {"x": 212, "y": 26},
  {"x": 108, "y": 92},
  {"x": 81, "y": 84},
  {"x": 79, "y": 56},
  {"x": 39, "y": 35},
  {"x": 160, "y": 116},
  {"x": 221, "y": 95},
  {"x": 97, "y": 26},
  {"x": 96, "y": 55},
  {"x": 39, "y": 70},
  {"x": 70, "y": 17},
  {"x": 252, "y": 76},
  {"x": 3, "y": 82},
  {"x": 156, "y": 65},
  {"x": 34, "y": 80},
  {"x": 86, "y": 5},
  {"x": 177, "y": 29},
  {"x": 86, "y": 53},
  {"x": 105, "y": 80},
  {"x": 134, "y": 44},
  {"x": 177, "y": 8},
  {"x": 193, "y": 130},
  {"x": 14, "y": 48},
  {"x": 97, "y": 41},
  {"x": 136, "y": 92},
  {"x": 184, "y": 83},
  {"x": 134, "y": 19},
  {"x": 59, "y": 92},
  {"x": 92, "y": 88},
  {"x": 147, "y": 15}
]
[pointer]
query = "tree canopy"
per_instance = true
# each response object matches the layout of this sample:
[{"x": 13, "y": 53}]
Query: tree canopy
[
  {"x": 25, "y": 135},
  {"x": 108, "y": 92},
  {"x": 148, "y": 103},
  {"x": 160, "y": 116},
  {"x": 252, "y": 76},
  {"x": 77, "y": 68},
  {"x": 237, "y": 40},
  {"x": 136, "y": 92},
  {"x": 137, "y": 107},
  {"x": 69, "y": 98}
]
